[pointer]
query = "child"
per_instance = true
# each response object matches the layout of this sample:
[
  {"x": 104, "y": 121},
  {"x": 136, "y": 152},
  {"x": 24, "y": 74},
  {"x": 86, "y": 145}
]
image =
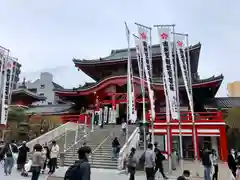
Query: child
[
  {"x": 124, "y": 128},
  {"x": 185, "y": 176}
]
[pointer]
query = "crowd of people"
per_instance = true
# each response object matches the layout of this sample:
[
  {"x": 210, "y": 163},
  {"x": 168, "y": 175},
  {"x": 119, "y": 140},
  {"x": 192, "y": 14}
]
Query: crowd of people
[
  {"x": 42, "y": 157},
  {"x": 152, "y": 159},
  {"x": 45, "y": 157}
]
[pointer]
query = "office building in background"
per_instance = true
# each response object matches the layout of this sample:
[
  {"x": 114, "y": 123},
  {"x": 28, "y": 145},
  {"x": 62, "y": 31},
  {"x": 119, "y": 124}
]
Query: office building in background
[{"x": 233, "y": 89}]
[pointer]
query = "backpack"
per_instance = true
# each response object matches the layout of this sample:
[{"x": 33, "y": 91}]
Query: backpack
[
  {"x": 142, "y": 158},
  {"x": 159, "y": 155},
  {"x": 72, "y": 172},
  {"x": 130, "y": 160},
  {"x": 206, "y": 159}
]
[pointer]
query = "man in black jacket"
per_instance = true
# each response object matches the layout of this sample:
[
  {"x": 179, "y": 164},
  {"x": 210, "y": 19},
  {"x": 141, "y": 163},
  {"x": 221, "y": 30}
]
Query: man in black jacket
[
  {"x": 232, "y": 162},
  {"x": 159, "y": 159},
  {"x": 81, "y": 168},
  {"x": 206, "y": 162}
]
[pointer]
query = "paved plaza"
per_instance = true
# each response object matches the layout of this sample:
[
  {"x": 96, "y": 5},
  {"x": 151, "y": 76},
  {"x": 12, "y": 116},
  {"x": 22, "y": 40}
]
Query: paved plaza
[{"x": 105, "y": 174}]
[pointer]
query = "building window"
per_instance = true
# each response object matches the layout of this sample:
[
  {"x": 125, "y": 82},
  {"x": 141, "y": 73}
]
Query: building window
[
  {"x": 42, "y": 86},
  {"x": 49, "y": 103},
  {"x": 41, "y": 94}
]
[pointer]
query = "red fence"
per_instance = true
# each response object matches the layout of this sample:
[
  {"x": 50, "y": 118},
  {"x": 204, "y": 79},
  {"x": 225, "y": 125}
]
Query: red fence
[
  {"x": 77, "y": 118},
  {"x": 187, "y": 117}
]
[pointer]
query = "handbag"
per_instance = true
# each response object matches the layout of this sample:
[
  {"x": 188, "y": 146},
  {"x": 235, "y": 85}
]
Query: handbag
[{"x": 28, "y": 165}]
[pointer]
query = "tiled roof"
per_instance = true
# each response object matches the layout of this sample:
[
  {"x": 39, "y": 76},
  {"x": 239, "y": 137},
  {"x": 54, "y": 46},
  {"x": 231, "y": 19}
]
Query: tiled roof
[
  {"x": 27, "y": 92},
  {"x": 154, "y": 80},
  {"x": 57, "y": 86},
  {"x": 122, "y": 54},
  {"x": 49, "y": 109},
  {"x": 224, "y": 102}
]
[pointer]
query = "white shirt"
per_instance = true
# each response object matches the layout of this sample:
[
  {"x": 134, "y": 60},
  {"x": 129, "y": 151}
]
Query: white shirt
[
  {"x": 124, "y": 125},
  {"x": 54, "y": 151}
]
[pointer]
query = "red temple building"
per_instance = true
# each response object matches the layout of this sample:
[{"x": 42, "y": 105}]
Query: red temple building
[
  {"x": 23, "y": 97},
  {"x": 109, "y": 90}
]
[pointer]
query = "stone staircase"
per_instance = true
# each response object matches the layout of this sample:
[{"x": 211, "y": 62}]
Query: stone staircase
[
  {"x": 100, "y": 142},
  {"x": 69, "y": 138}
]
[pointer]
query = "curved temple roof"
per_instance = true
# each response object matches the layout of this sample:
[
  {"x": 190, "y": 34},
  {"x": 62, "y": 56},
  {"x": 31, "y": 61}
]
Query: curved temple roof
[
  {"x": 27, "y": 93},
  {"x": 157, "y": 84},
  {"x": 122, "y": 55}
]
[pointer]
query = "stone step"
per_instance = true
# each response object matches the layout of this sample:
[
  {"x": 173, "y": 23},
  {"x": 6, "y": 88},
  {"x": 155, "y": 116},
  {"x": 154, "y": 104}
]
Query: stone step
[
  {"x": 108, "y": 158},
  {"x": 97, "y": 166},
  {"x": 93, "y": 147},
  {"x": 110, "y": 163}
]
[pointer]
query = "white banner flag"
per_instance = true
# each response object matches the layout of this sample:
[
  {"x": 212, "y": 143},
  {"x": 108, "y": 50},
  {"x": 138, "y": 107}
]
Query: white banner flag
[
  {"x": 144, "y": 36},
  {"x": 145, "y": 57},
  {"x": 130, "y": 88},
  {"x": 7, "y": 89},
  {"x": 139, "y": 58},
  {"x": 180, "y": 45},
  {"x": 168, "y": 69}
]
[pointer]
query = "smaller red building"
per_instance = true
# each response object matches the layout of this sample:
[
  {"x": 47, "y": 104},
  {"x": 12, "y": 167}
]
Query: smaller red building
[{"x": 24, "y": 97}]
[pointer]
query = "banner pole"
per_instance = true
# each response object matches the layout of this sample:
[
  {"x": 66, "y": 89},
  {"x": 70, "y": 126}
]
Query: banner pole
[
  {"x": 192, "y": 106},
  {"x": 178, "y": 101},
  {"x": 129, "y": 89},
  {"x": 150, "y": 65},
  {"x": 141, "y": 77}
]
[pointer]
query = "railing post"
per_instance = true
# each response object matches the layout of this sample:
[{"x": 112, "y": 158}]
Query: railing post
[
  {"x": 62, "y": 159},
  {"x": 76, "y": 134},
  {"x": 85, "y": 125},
  {"x": 65, "y": 139},
  {"x": 92, "y": 121}
]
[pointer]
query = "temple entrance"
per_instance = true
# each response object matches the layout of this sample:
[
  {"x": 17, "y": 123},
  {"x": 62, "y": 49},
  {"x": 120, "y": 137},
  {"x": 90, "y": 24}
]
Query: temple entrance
[
  {"x": 122, "y": 113},
  {"x": 188, "y": 151}
]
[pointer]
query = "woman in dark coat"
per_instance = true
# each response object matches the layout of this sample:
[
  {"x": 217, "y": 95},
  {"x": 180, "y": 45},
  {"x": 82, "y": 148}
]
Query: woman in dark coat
[{"x": 22, "y": 156}]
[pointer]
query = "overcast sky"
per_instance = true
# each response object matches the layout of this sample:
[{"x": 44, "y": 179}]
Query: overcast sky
[{"x": 45, "y": 35}]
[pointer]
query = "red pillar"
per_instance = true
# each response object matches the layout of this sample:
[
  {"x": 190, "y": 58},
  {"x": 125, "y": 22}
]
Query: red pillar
[
  {"x": 169, "y": 139},
  {"x": 97, "y": 104},
  {"x": 113, "y": 101},
  {"x": 197, "y": 142},
  {"x": 223, "y": 143}
]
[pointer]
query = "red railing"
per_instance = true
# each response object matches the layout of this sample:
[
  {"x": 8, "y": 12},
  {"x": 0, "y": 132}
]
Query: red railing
[
  {"x": 187, "y": 117},
  {"x": 76, "y": 118}
]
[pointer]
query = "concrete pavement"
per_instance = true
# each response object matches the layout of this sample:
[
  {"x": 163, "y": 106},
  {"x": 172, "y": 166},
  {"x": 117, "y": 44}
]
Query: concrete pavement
[{"x": 107, "y": 174}]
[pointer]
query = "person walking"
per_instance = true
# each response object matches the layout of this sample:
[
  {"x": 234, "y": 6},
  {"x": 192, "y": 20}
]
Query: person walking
[
  {"x": 46, "y": 156},
  {"x": 132, "y": 164},
  {"x": 115, "y": 147},
  {"x": 159, "y": 158},
  {"x": 1, "y": 150},
  {"x": 37, "y": 162},
  {"x": 206, "y": 162},
  {"x": 22, "y": 157},
  {"x": 174, "y": 159},
  {"x": 54, "y": 152},
  {"x": 149, "y": 162},
  {"x": 124, "y": 128},
  {"x": 232, "y": 162},
  {"x": 8, "y": 159},
  {"x": 215, "y": 165}
]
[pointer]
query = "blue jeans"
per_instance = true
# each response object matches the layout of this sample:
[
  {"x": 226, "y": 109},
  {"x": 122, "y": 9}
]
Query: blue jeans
[
  {"x": 207, "y": 172},
  {"x": 8, "y": 165}
]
